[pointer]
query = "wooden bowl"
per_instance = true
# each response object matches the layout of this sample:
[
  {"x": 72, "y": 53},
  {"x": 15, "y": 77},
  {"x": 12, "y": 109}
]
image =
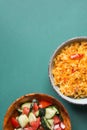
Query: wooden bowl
[{"x": 12, "y": 110}]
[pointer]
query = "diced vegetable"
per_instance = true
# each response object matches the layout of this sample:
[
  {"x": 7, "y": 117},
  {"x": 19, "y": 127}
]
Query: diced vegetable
[
  {"x": 29, "y": 128},
  {"x": 40, "y": 112},
  {"x": 25, "y": 110},
  {"x": 19, "y": 129},
  {"x": 19, "y": 110},
  {"x": 50, "y": 112},
  {"x": 27, "y": 104},
  {"x": 15, "y": 122},
  {"x": 76, "y": 56},
  {"x": 44, "y": 104},
  {"x": 56, "y": 119},
  {"x": 35, "y": 124},
  {"x": 32, "y": 117},
  {"x": 35, "y": 107},
  {"x": 45, "y": 124},
  {"x": 51, "y": 122},
  {"x": 23, "y": 120}
]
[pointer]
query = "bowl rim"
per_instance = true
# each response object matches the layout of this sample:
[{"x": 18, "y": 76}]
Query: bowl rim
[{"x": 80, "y": 101}]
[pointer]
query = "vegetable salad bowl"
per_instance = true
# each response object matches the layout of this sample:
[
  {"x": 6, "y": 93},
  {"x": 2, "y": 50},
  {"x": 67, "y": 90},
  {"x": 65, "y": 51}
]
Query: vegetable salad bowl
[{"x": 36, "y": 111}]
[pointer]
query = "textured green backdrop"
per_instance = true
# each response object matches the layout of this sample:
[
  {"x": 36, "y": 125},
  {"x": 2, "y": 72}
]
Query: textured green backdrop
[{"x": 30, "y": 31}]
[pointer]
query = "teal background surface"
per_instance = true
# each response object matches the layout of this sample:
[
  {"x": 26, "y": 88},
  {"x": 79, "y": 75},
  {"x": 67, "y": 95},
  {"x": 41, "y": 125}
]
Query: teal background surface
[{"x": 30, "y": 31}]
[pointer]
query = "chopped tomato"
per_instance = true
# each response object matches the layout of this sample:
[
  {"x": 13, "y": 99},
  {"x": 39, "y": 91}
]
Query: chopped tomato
[
  {"x": 58, "y": 128},
  {"x": 44, "y": 104},
  {"x": 26, "y": 110},
  {"x": 76, "y": 56},
  {"x": 28, "y": 128},
  {"x": 35, "y": 107},
  {"x": 14, "y": 122},
  {"x": 56, "y": 120},
  {"x": 35, "y": 124}
]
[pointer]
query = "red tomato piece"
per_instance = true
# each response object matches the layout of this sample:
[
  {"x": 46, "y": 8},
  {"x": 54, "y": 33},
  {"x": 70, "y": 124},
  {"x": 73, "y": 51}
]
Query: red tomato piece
[
  {"x": 35, "y": 124},
  {"x": 44, "y": 104},
  {"x": 58, "y": 128},
  {"x": 35, "y": 107},
  {"x": 14, "y": 122},
  {"x": 28, "y": 128},
  {"x": 26, "y": 110},
  {"x": 56, "y": 119},
  {"x": 76, "y": 56}
]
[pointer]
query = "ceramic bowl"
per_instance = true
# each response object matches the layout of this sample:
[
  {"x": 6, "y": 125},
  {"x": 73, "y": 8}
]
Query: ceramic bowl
[
  {"x": 12, "y": 110},
  {"x": 80, "y": 101}
]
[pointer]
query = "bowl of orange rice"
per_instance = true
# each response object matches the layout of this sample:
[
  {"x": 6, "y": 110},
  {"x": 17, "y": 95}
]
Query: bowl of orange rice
[{"x": 68, "y": 70}]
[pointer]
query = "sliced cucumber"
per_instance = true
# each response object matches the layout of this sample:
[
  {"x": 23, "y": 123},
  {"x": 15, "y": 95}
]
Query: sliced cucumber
[
  {"x": 51, "y": 122},
  {"x": 45, "y": 124},
  {"x": 50, "y": 112},
  {"x": 55, "y": 109},
  {"x": 32, "y": 117},
  {"x": 19, "y": 110},
  {"x": 23, "y": 120},
  {"x": 27, "y": 104},
  {"x": 40, "y": 112},
  {"x": 37, "y": 113}
]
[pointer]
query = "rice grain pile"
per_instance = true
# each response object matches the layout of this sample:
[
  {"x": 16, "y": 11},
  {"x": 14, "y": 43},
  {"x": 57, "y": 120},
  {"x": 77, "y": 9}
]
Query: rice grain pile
[{"x": 70, "y": 70}]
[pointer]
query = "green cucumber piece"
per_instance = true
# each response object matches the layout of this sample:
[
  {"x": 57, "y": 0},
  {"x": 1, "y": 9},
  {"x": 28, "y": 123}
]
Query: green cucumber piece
[
  {"x": 19, "y": 110},
  {"x": 40, "y": 112},
  {"x": 31, "y": 117},
  {"x": 27, "y": 104},
  {"x": 50, "y": 112},
  {"x": 51, "y": 122},
  {"x": 45, "y": 124},
  {"x": 23, "y": 120}
]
